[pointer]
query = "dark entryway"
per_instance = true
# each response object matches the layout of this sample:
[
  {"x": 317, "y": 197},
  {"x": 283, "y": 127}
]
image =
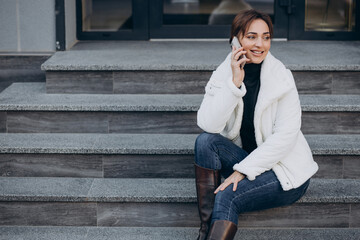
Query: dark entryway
[{"x": 151, "y": 19}]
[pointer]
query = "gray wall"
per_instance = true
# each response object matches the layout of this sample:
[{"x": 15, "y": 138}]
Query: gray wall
[
  {"x": 70, "y": 23},
  {"x": 27, "y": 26}
]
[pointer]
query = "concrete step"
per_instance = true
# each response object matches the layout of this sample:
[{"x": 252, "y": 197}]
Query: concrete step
[
  {"x": 21, "y": 68},
  {"x": 328, "y": 203},
  {"x": 169, "y": 233},
  {"x": 183, "y": 82},
  {"x": 26, "y": 108},
  {"x": 185, "y": 67},
  {"x": 143, "y": 155}
]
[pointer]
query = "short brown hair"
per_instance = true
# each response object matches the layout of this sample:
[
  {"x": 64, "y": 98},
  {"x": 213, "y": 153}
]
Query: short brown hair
[{"x": 243, "y": 20}]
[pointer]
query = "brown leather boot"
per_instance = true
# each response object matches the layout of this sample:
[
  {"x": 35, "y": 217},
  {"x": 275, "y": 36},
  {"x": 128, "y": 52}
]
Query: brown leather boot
[
  {"x": 207, "y": 180},
  {"x": 222, "y": 230}
]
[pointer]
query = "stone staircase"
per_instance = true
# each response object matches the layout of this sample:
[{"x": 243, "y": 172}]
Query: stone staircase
[
  {"x": 21, "y": 68},
  {"x": 104, "y": 149}
]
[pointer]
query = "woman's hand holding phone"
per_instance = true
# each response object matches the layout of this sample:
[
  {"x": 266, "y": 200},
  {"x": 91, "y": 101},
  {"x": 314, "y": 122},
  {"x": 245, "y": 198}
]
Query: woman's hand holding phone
[{"x": 236, "y": 61}]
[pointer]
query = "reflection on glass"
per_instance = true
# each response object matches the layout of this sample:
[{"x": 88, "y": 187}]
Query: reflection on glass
[
  {"x": 106, "y": 15},
  {"x": 329, "y": 15},
  {"x": 210, "y": 12}
]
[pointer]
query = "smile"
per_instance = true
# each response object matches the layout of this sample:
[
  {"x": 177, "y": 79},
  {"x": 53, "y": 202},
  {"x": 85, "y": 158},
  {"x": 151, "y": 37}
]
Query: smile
[{"x": 257, "y": 52}]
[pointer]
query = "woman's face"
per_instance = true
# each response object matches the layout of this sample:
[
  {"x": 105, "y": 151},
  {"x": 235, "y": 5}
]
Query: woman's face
[{"x": 256, "y": 41}]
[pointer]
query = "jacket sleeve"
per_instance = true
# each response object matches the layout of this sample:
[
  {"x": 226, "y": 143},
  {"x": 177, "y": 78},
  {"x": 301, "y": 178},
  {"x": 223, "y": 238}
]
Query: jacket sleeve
[
  {"x": 284, "y": 137},
  {"x": 220, "y": 100}
]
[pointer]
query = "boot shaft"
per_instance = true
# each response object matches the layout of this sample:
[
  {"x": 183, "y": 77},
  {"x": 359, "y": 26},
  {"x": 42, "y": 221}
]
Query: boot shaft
[{"x": 222, "y": 230}]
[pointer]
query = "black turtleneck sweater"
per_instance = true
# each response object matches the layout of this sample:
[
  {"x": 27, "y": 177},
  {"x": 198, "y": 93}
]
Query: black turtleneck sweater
[{"x": 252, "y": 83}]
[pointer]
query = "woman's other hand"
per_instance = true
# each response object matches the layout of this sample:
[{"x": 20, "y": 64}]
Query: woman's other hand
[
  {"x": 238, "y": 73},
  {"x": 234, "y": 178}
]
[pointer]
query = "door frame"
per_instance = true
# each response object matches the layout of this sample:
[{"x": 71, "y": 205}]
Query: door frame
[
  {"x": 297, "y": 25},
  {"x": 147, "y": 22},
  {"x": 140, "y": 29},
  {"x": 289, "y": 23},
  {"x": 60, "y": 25},
  {"x": 158, "y": 30}
]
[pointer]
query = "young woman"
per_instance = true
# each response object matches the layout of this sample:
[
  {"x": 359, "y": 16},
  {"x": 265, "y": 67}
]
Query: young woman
[{"x": 251, "y": 117}]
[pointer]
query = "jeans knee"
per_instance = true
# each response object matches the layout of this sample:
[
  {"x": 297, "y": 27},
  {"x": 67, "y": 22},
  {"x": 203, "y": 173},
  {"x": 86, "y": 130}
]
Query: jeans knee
[
  {"x": 224, "y": 198},
  {"x": 204, "y": 140},
  {"x": 204, "y": 150}
]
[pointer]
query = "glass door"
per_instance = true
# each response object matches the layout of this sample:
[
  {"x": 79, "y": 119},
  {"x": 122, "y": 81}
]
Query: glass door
[
  {"x": 145, "y": 19},
  {"x": 207, "y": 18},
  {"x": 325, "y": 20},
  {"x": 112, "y": 19},
  {"x": 152, "y": 19}
]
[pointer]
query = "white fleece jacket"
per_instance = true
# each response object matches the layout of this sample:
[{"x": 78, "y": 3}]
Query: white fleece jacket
[{"x": 277, "y": 120}]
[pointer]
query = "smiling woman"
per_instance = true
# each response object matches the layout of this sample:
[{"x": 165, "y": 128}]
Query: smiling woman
[
  {"x": 256, "y": 41},
  {"x": 255, "y": 32},
  {"x": 251, "y": 117}
]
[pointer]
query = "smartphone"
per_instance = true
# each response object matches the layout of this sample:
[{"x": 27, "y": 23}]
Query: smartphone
[{"x": 235, "y": 42}]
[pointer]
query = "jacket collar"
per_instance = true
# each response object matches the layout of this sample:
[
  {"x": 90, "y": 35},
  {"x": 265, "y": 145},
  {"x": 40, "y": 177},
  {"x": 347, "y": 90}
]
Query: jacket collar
[
  {"x": 274, "y": 79},
  {"x": 275, "y": 82}
]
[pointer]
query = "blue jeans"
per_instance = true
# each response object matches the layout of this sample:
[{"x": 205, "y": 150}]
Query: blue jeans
[{"x": 214, "y": 151}]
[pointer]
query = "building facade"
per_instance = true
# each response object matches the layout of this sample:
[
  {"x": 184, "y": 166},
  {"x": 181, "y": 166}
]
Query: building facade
[{"x": 50, "y": 25}]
